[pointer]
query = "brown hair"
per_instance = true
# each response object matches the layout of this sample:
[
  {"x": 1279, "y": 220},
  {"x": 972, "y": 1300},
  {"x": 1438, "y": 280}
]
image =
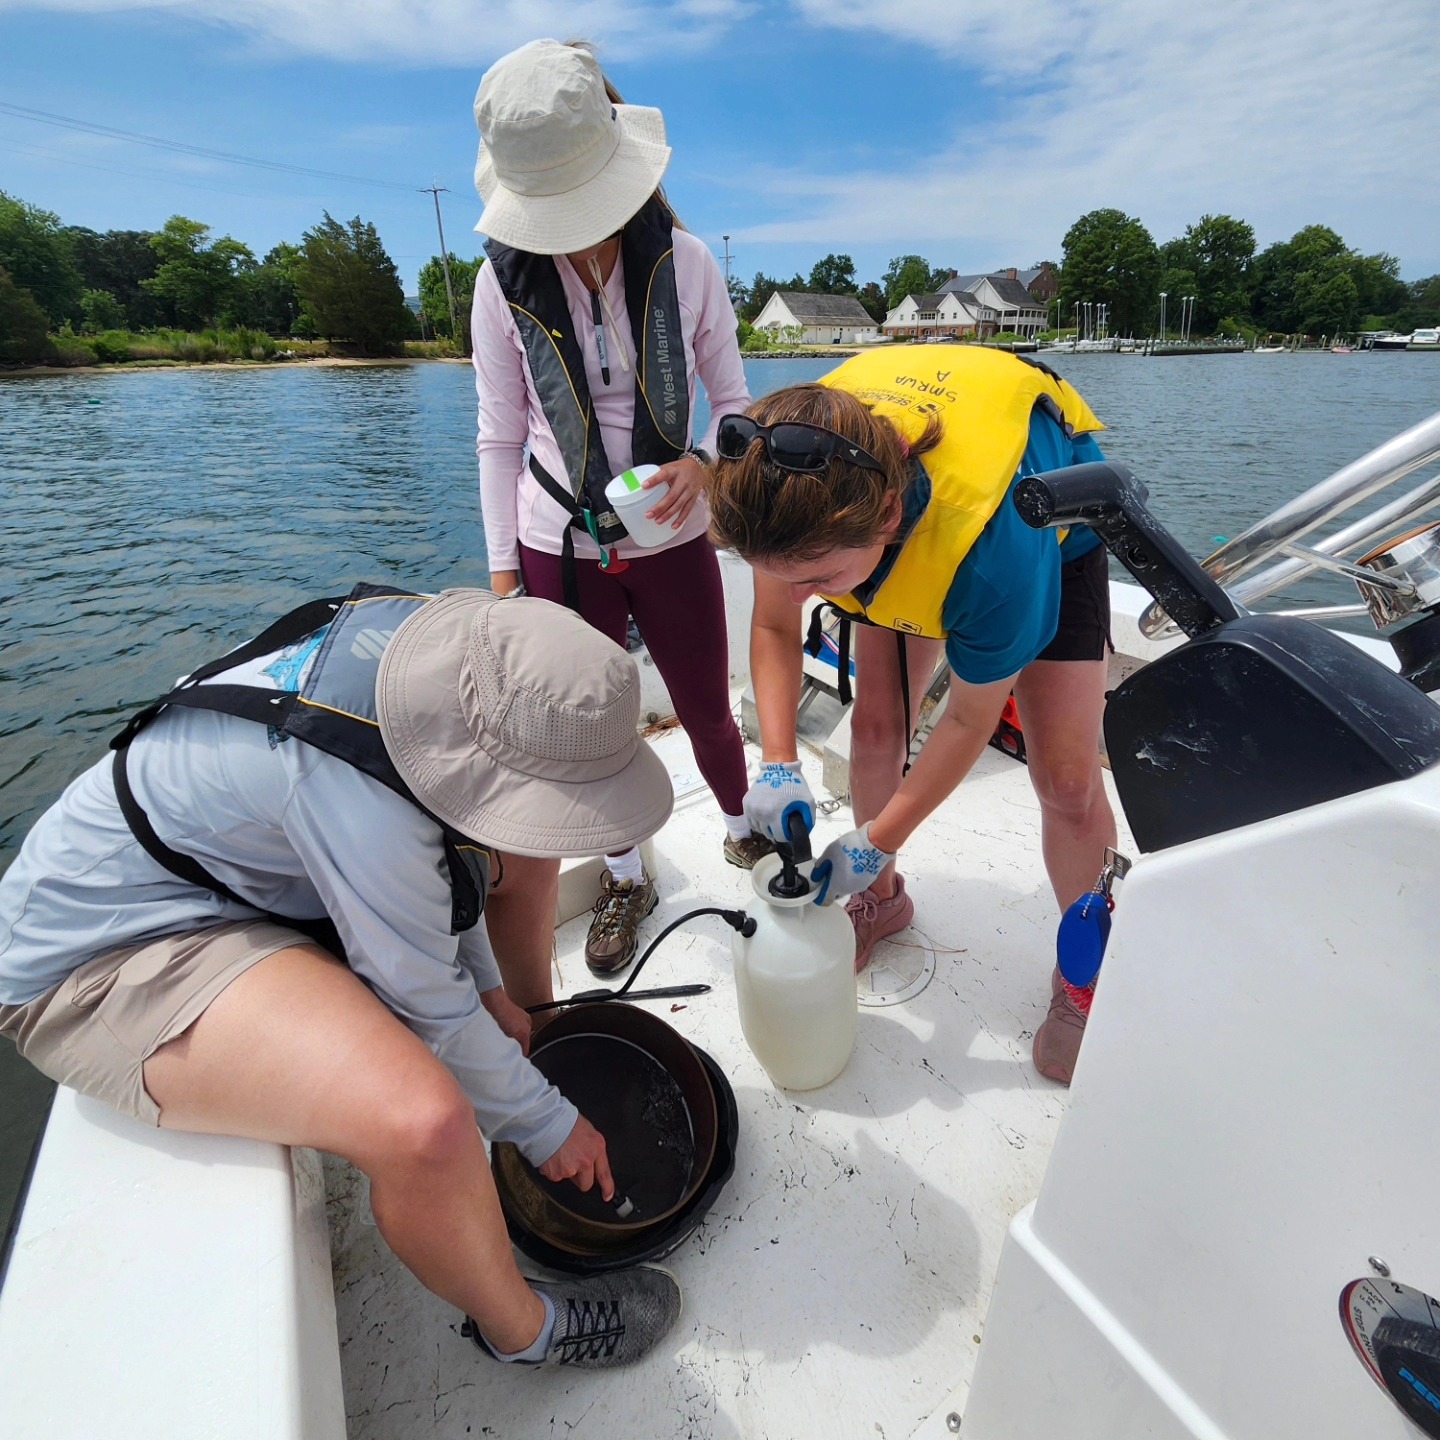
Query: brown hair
[
  {"x": 766, "y": 513},
  {"x": 616, "y": 98}
]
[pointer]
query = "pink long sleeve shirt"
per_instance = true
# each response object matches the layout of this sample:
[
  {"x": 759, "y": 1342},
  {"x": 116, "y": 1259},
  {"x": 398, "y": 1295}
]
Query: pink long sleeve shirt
[{"x": 515, "y": 508}]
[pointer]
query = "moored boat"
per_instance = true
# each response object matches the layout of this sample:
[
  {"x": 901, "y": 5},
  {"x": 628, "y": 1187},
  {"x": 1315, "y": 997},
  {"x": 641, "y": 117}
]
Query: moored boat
[{"x": 1422, "y": 338}]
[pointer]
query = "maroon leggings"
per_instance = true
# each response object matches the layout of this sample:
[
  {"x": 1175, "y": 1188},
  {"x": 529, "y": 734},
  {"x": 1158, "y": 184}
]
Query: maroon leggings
[{"x": 678, "y": 602}]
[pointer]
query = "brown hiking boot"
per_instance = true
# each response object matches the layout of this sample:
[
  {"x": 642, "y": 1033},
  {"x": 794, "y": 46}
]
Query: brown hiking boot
[
  {"x": 746, "y": 852},
  {"x": 1057, "y": 1042},
  {"x": 611, "y": 943}
]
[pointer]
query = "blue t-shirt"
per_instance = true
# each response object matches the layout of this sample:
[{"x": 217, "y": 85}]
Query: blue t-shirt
[{"x": 1003, "y": 605}]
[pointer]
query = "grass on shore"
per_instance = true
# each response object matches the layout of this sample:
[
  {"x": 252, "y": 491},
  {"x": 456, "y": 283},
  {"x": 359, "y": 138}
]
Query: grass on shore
[{"x": 183, "y": 347}]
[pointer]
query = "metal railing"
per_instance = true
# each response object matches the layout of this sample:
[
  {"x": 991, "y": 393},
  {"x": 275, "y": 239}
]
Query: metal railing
[{"x": 1237, "y": 564}]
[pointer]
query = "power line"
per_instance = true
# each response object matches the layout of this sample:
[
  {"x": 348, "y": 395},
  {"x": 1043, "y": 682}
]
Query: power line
[
  {"x": 166, "y": 176},
  {"x": 69, "y": 122}
]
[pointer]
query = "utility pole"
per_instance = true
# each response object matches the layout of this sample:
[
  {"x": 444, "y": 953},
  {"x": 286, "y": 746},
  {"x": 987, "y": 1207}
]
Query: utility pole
[
  {"x": 726, "y": 239},
  {"x": 436, "y": 191}
]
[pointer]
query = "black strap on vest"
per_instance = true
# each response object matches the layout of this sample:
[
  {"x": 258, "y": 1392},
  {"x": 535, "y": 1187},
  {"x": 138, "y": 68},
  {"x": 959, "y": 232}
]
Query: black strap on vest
[
  {"x": 569, "y": 578},
  {"x": 467, "y": 863},
  {"x": 303, "y": 621},
  {"x": 186, "y": 867},
  {"x": 814, "y": 644},
  {"x": 905, "y": 698},
  {"x": 812, "y": 648},
  {"x": 285, "y": 631}
]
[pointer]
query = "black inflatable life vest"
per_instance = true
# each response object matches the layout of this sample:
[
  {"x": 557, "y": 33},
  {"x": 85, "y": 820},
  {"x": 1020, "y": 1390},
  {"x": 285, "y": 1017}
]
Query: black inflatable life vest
[
  {"x": 660, "y": 431},
  {"x": 334, "y": 711}
]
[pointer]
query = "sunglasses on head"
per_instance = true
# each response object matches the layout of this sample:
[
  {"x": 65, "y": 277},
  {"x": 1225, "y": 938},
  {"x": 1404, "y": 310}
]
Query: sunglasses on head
[{"x": 804, "y": 449}]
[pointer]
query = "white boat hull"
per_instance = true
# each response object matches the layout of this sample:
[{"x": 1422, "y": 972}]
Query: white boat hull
[{"x": 1251, "y": 1121}]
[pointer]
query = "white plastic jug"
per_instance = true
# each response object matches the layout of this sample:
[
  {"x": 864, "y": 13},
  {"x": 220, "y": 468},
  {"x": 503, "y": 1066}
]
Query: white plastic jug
[
  {"x": 630, "y": 502},
  {"x": 795, "y": 981}
]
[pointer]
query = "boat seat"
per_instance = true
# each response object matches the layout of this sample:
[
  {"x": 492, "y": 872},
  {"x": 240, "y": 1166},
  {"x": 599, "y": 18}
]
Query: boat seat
[{"x": 157, "y": 1274}]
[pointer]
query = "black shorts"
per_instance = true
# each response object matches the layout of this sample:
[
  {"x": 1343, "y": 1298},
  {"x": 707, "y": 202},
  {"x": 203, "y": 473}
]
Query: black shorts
[{"x": 1084, "y": 629}]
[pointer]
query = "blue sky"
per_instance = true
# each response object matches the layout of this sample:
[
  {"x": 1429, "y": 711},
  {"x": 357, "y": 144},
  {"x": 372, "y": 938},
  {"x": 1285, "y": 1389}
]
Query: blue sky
[{"x": 969, "y": 131}]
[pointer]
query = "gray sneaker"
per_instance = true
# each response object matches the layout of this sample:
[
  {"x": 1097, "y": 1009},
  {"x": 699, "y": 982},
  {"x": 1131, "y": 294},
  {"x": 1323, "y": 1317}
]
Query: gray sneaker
[{"x": 607, "y": 1321}]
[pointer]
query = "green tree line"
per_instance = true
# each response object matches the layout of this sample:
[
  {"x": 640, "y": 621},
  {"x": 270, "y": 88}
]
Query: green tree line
[
  {"x": 1311, "y": 284},
  {"x": 65, "y": 287}
]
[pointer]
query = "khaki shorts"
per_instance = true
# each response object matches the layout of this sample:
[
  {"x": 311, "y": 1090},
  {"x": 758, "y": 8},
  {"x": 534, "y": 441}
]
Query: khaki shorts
[{"x": 97, "y": 1027}]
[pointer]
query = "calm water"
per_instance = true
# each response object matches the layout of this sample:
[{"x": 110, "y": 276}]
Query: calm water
[{"x": 153, "y": 518}]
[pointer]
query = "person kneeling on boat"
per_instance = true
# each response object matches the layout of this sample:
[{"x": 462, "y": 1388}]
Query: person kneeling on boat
[
  {"x": 355, "y": 767},
  {"x": 885, "y": 489}
]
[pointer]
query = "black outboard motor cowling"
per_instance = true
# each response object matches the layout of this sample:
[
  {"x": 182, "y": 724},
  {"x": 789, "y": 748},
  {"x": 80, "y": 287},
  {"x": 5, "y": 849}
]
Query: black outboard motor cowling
[{"x": 1258, "y": 715}]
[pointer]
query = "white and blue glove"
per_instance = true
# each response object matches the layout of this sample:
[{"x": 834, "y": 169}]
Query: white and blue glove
[
  {"x": 847, "y": 866},
  {"x": 778, "y": 793}
]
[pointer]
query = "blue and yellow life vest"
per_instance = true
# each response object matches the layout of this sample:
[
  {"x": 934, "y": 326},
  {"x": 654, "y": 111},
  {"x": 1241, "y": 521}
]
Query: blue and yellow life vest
[{"x": 984, "y": 399}]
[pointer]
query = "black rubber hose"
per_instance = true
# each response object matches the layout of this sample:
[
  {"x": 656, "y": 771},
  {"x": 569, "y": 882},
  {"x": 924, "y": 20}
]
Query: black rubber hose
[{"x": 735, "y": 919}]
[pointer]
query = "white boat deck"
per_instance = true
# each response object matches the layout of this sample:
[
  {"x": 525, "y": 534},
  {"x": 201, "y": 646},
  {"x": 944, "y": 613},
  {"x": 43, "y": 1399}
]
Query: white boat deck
[{"x": 839, "y": 1285}]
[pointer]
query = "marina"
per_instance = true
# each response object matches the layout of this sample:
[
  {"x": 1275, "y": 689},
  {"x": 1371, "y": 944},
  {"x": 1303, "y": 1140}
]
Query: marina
[{"x": 841, "y": 1282}]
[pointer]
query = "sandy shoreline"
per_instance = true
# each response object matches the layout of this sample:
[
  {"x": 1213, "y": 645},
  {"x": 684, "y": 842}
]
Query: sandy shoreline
[
  {"x": 333, "y": 362},
  {"x": 28, "y": 372}
]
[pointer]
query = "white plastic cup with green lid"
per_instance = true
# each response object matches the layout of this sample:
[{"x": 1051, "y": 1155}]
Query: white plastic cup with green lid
[{"x": 630, "y": 501}]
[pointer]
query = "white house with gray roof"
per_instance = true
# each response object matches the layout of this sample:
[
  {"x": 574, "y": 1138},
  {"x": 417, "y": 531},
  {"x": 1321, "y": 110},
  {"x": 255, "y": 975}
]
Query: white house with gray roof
[
  {"x": 949, "y": 315},
  {"x": 1016, "y": 309},
  {"x": 817, "y": 319}
]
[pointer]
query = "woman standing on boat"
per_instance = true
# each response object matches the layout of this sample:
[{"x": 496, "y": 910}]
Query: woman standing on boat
[
  {"x": 885, "y": 489},
  {"x": 591, "y": 322}
]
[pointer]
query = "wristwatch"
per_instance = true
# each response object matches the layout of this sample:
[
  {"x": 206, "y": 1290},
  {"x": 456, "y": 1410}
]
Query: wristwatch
[{"x": 703, "y": 456}]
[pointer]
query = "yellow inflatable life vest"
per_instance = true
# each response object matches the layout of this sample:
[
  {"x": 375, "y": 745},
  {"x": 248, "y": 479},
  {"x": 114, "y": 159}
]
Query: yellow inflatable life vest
[{"x": 984, "y": 399}]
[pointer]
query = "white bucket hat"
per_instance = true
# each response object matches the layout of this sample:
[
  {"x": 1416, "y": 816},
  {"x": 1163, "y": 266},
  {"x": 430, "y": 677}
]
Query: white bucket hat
[
  {"x": 560, "y": 167},
  {"x": 515, "y": 722}
]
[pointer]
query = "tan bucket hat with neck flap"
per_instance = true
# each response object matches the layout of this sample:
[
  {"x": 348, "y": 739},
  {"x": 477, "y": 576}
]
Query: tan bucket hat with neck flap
[{"x": 515, "y": 722}]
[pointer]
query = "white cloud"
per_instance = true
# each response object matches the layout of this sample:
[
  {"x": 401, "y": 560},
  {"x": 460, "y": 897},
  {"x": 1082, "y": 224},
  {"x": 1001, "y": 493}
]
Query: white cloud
[
  {"x": 1284, "y": 114},
  {"x": 1019, "y": 39},
  {"x": 435, "y": 32}
]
